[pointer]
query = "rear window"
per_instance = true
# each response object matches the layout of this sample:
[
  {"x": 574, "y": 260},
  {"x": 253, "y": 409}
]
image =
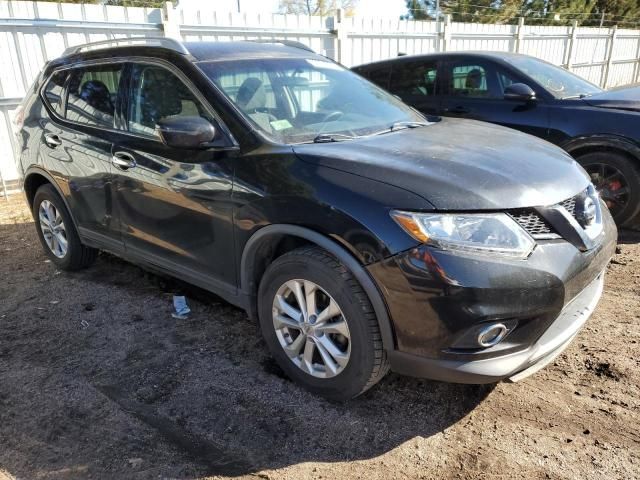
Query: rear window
[
  {"x": 54, "y": 90},
  {"x": 92, "y": 94},
  {"x": 414, "y": 80}
]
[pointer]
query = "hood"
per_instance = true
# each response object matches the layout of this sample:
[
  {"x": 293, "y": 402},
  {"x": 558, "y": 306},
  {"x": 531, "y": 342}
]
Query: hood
[
  {"x": 623, "y": 98},
  {"x": 459, "y": 165}
]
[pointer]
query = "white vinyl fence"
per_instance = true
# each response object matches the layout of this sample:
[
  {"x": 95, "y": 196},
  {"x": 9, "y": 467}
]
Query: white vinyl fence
[{"x": 34, "y": 32}]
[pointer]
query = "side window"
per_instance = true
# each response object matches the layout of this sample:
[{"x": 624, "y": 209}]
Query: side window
[
  {"x": 157, "y": 94},
  {"x": 469, "y": 81},
  {"x": 414, "y": 79},
  {"x": 54, "y": 91},
  {"x": 93, "y": 91},
  {"x": 380, "y": 76}
]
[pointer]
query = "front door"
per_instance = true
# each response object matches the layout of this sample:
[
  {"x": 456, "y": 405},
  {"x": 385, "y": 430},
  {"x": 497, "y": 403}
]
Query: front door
[
  {"x": 474, "y": 89},
  {"x": 174, "y": 204}
]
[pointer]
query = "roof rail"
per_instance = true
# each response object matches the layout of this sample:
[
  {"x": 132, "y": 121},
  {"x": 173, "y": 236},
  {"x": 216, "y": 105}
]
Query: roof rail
[
  {"x": 162, "y": 42},
  {"x": 288, "y": 43}
]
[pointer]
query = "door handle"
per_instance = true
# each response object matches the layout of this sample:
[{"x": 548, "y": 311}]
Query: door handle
[
  {"x": 123, "y": 160},
  {"x": 52, "y": 140},
  {"x": 457, "y": 110}
]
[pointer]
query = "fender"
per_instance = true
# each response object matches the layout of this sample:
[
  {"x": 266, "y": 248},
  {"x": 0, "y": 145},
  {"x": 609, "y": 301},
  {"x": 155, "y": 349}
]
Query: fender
[
  {"x": 602, "y": 140},
  {"x": 249, "y": 288}
]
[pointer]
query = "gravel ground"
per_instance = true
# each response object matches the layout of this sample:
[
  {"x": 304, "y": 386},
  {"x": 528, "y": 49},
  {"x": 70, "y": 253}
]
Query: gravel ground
[{"x": 97, "y": 380}]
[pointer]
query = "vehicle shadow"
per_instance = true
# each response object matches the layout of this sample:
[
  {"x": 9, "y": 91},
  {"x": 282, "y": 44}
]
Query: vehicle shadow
[
  {"x": 103, "y": 373},
  {"x": 626, "y": 236},
  {"x": 233, "y": 411}
]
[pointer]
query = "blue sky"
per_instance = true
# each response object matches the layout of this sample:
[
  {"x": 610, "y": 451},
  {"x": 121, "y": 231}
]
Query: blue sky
[{"x": 371, "y": 8}]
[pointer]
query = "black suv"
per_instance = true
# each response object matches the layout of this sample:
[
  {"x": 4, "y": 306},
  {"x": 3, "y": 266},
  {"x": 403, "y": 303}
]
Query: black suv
[
  {"x": 360, "y": 234},
  {"x": 600, "y": 129}
]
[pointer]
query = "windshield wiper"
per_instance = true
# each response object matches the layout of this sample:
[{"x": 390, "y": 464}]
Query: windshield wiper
[
  {"x": 332, "y": 137},
  {"x": 579, "y": 95},
  {"x": 401, "y": 126}
]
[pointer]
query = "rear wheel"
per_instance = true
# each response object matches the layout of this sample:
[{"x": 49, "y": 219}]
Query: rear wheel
[
  {"x": 617, "y": 180},
  {"x": 319, "y": 324},
  {"x": 57, "y": 232}
]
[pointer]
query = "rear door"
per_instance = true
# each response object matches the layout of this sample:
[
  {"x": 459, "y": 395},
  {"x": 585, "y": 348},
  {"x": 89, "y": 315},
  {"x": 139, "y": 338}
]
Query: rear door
[
  {"x": 77, "y": 142},
  {"x": 174, "y": 204},
  {"x": 474, "y": 88}
]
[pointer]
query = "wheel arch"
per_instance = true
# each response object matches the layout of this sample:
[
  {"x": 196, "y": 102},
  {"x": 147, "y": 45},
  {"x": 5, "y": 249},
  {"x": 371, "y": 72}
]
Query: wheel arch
[
  {"x": 271, "y": 241},
  {"x": 603, "y": 143},
  {"x": 34, "y": 178}
]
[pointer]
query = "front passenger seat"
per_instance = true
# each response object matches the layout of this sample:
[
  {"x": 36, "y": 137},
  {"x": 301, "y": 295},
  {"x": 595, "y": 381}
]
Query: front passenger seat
[{"x": 252, "y": 98}]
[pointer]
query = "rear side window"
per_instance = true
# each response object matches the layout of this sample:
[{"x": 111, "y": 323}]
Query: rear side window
[
  {"x": 469, "y": 81},
  {"x": 414, "y": 79},
  {"x": 54, "y": 91},
  {"x": 158, "y": 94},
  {"x": 93, "y": 91}
]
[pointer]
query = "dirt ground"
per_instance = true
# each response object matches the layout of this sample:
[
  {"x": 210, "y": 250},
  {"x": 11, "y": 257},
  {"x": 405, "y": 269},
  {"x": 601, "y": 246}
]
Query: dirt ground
[{"x": 97, "y": 380}]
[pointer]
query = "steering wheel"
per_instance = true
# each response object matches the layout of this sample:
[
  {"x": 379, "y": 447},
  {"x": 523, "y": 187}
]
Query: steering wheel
[
  {"x": 336, "y": 114},
  {"x": 555, "y": 86}
]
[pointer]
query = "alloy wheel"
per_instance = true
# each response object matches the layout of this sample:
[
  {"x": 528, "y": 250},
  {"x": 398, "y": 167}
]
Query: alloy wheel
[
  {"x": 53, "y": 229},
  {"x": 311, "y": 328},
  {"x": 611, "y": 185}
]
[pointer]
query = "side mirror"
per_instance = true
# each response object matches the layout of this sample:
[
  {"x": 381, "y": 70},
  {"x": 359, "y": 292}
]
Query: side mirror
[
  {"x": 519, "y": 92},
  {"x": 186, "y": 132}
]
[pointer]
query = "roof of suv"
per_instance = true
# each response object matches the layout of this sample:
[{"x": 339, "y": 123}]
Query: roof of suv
[
  {"x": 478, "y": 54},
  {"x": 197, "y": 51}
]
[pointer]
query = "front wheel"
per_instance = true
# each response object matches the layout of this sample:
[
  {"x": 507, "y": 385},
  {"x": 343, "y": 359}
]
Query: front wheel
[
  {"x": 617, "y": 180},
  {"x": 319, "y": 325}
]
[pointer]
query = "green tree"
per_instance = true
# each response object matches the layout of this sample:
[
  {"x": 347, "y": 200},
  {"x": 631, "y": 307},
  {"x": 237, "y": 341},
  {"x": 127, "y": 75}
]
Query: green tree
[
  {"x": 135, "y": 3},
  {"x": 625, "y": 13}
]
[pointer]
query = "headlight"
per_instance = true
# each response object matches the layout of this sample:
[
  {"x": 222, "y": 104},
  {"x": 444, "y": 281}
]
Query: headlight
[{"x": 486, "y": 233}]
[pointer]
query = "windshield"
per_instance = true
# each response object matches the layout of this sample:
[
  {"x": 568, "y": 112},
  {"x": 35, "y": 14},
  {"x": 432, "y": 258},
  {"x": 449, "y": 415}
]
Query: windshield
[
  {"x": 559, "y": 82},
  {"x": 296, "y": 100}
]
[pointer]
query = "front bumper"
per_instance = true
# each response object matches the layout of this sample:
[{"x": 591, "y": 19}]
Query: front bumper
[
  {"x": 435, "y": 298},
  {"x": 514, "y": 366}
]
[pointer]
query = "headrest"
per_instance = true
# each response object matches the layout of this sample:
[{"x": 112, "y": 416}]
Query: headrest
[{"x": 251, "y": 94}]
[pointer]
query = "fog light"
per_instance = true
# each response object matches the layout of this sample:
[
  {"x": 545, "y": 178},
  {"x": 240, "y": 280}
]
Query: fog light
[{"x": 492, "y": 335}]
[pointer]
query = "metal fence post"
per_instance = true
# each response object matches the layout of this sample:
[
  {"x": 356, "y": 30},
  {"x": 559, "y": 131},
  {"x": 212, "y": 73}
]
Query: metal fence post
[
  {"x": 572, "y": 43},
  {"x": 445, "y": 44},
  {"x": 171, "y": 22},
  {"x": 607, "y": 68},
  {"x": 519, "y": 34},
  {"x": 342, "y": 37}
]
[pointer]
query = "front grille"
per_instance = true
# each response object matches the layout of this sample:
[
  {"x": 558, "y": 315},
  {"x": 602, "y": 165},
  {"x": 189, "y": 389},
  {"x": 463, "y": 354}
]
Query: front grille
[
  {"x": 570, "y": 205},
  {"x": 534, "y": 224},
  {"x": 537, "y": 226}
]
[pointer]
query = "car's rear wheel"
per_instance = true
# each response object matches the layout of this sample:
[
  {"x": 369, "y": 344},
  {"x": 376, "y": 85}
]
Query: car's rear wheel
[
  {"x": 57, "y": 232},
  {"x": 319, "y": 324},
  {"x": 617, "y": 180}
]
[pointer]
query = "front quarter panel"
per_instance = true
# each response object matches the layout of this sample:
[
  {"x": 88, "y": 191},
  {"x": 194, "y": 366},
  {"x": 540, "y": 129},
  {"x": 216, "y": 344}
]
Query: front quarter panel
[
  {"x": 570, "y": 121},
  {"x": 275, "y": 187}
]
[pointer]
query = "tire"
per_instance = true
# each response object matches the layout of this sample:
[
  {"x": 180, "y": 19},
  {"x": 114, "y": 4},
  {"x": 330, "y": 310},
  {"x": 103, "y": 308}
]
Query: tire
[
  {"x": 621, "y": 173},
  {"x": 76, "y": 255},
  {"x": 367, "y": 360}
]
